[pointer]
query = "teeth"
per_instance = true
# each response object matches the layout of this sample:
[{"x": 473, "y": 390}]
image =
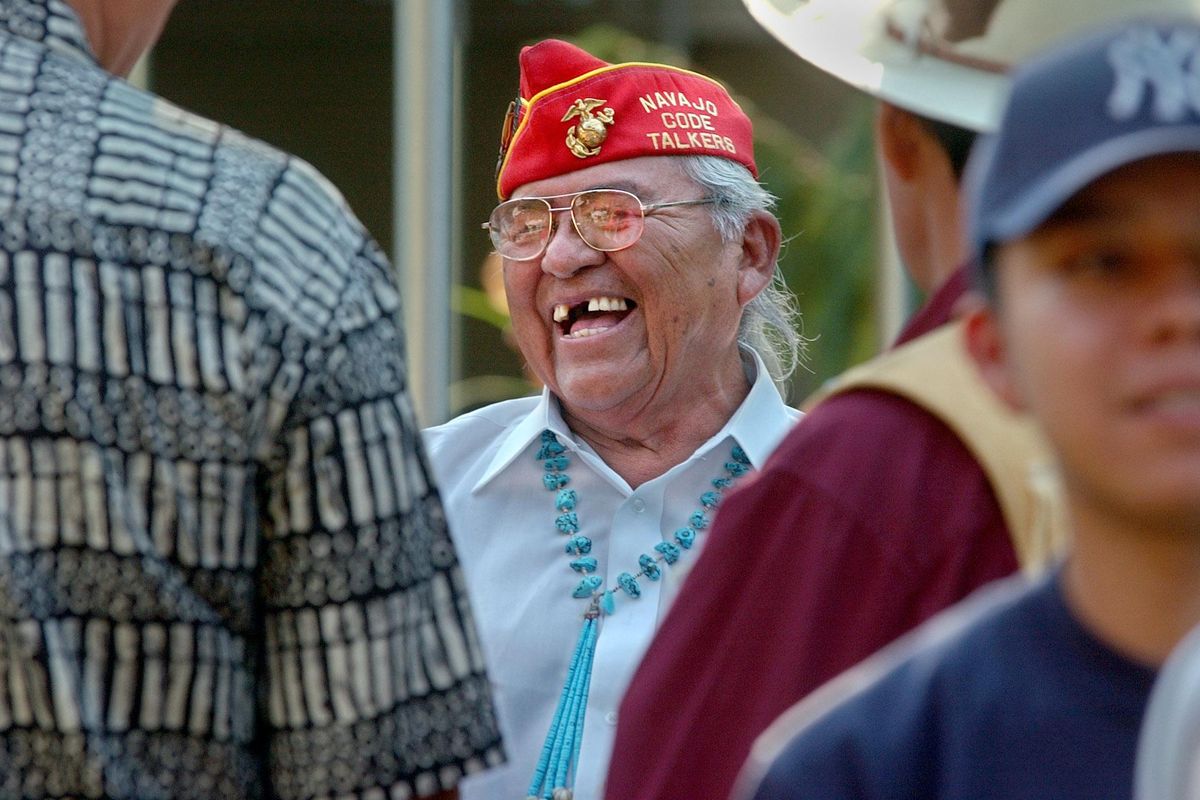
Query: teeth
[
  {"x": 562, "y": 311},
  {"x": 583, "y": 332},
  {"x": 607, "y": 304}
]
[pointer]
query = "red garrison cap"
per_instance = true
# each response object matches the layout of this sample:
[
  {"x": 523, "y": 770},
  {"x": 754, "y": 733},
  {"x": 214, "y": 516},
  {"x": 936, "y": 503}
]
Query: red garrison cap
[{"x": 576, "y": 111}]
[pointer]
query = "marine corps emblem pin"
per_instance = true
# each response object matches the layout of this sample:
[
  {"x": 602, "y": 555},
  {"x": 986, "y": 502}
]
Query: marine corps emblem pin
[{"x": 585, "y": 138}]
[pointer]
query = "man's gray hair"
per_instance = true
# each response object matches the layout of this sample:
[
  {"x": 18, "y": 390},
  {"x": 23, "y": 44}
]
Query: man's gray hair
[{"x": 769, "y": 321}]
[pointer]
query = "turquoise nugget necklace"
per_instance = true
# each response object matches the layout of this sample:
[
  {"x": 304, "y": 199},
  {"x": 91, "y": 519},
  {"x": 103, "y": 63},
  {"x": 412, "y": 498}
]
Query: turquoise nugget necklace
[{"x": 554, "y": 777}]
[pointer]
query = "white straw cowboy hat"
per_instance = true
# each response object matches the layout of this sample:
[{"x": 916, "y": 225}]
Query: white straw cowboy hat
[{"x": 944, "y": 59}]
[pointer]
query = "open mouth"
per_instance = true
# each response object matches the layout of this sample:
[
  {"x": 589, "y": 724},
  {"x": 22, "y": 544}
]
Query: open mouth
[{"x": 592, "y": 316}]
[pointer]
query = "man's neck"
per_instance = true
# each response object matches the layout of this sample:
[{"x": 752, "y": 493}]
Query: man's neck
[
  {"x": 938, "y": 309},
  {"x": 937, "y": 272},
  {"x": 1136, "y": 589},
  {"x": 639, "y": 445}
]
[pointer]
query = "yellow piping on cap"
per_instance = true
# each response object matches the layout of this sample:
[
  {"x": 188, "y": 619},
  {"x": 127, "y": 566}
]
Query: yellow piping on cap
[{"x": 529, "y": 104}]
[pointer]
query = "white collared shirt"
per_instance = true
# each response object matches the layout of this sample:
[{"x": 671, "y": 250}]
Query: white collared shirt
[{"x": 502, "y": 521}]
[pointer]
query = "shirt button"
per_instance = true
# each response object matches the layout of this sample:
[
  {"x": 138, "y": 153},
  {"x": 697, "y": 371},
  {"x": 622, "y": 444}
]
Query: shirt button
[
  {"x": 611, "y": 718},
  {"x": 639, "y": 505}
]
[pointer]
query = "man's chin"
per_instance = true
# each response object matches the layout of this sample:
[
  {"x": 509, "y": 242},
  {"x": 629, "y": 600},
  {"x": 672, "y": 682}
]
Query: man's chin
[{"x": 596, "y": 392}]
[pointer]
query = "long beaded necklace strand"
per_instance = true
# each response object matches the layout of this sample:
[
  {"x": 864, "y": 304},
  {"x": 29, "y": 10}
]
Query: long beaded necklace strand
[{"x": 554, "y": 777}]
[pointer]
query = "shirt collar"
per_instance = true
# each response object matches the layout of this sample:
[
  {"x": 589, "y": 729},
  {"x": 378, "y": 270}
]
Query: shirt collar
[
  {"x": 52, "y": 23},
  {"x": 762, "y": 419},
  {"x": 757, "y": 425},
  {"x": 938, "y": 309},
  {"x": 544, "y": 416}
]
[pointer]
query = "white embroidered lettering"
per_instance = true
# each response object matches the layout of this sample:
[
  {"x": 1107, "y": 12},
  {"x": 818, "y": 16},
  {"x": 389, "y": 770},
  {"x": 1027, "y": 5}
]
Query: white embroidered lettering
[
  {"x": 1168, "y": 69},
  {"x": 678, "y": 119}
]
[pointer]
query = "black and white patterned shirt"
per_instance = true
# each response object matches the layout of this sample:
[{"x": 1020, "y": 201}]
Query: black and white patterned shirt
[{"x": 223, "y": 569}]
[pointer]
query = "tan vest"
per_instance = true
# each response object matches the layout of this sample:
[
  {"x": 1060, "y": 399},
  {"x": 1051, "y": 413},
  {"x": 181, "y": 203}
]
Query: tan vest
[{"x": 935, "y": 372}]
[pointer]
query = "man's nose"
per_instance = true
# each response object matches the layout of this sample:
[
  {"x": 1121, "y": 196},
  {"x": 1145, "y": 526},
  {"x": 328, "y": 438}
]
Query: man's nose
[{"x": 567, "y": 252}]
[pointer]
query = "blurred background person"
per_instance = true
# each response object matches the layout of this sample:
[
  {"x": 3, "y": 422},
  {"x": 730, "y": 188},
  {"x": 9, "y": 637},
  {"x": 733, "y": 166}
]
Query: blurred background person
[{"x": 1168, "y": 756}]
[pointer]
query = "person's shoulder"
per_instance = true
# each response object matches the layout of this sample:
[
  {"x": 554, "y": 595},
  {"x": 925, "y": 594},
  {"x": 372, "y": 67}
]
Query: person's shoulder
[
  {"x": 883, "y": 710},
  {"x": 298, "y": 250},
  {"x": 243, "y": 173},
  {"x": 153, "y": 111},
  {"x": 245, "y": 194},
  {"x": 947, "y": 643},
  {"x": 859, "y": 417},
  {"x": 1167, "y": 754},
  {"x": 863, "y": 442}
]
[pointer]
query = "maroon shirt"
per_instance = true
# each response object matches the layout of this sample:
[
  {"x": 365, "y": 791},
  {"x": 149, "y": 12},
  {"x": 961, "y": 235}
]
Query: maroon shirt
[{"x": 869, "y": 518}]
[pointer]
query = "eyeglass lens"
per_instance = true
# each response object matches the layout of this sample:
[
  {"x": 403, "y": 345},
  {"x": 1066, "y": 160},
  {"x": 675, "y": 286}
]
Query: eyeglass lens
[{"x": 607, "y": 219}]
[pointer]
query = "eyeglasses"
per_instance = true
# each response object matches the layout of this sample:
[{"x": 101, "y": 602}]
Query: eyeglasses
[{"x": 606, "y": 220}]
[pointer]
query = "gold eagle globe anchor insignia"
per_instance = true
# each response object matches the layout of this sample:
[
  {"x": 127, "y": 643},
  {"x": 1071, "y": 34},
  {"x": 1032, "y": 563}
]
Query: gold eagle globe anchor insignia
[{"x": 584, "y": 139}]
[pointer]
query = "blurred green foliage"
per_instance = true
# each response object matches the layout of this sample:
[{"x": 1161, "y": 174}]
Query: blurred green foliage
[
  {"x": 828, "y": 213},
  {"x": 827, "y": 209}
]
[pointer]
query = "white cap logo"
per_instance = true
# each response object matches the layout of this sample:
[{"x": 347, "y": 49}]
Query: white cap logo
[{"x": 1165, "y": 67}]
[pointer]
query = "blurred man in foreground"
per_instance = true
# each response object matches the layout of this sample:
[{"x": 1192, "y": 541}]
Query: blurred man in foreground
[
  {"x": 1088, "y": 249},
  {"x": 225, "y": 571}
]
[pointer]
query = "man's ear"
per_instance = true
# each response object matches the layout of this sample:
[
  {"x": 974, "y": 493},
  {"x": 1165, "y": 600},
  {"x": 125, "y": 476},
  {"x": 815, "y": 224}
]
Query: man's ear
[
  {"x": 985, "y": 344},
  {"x": 761, "y": 239},
  {"x": 900, "y": 136}
]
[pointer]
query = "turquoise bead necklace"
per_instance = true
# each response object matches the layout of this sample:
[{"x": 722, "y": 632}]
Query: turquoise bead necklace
[{"x": 554, "y": 777}]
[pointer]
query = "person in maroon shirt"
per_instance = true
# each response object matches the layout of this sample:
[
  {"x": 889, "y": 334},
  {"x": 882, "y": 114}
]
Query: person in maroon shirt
[{"x": 872, "y": 515}]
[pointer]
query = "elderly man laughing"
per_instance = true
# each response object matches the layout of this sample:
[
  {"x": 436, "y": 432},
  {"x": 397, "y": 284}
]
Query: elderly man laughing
[{"x": 640, "y": 270}]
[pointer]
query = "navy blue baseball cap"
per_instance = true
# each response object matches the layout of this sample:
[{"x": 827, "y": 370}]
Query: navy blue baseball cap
[{"x": 1074, "y": 115}]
